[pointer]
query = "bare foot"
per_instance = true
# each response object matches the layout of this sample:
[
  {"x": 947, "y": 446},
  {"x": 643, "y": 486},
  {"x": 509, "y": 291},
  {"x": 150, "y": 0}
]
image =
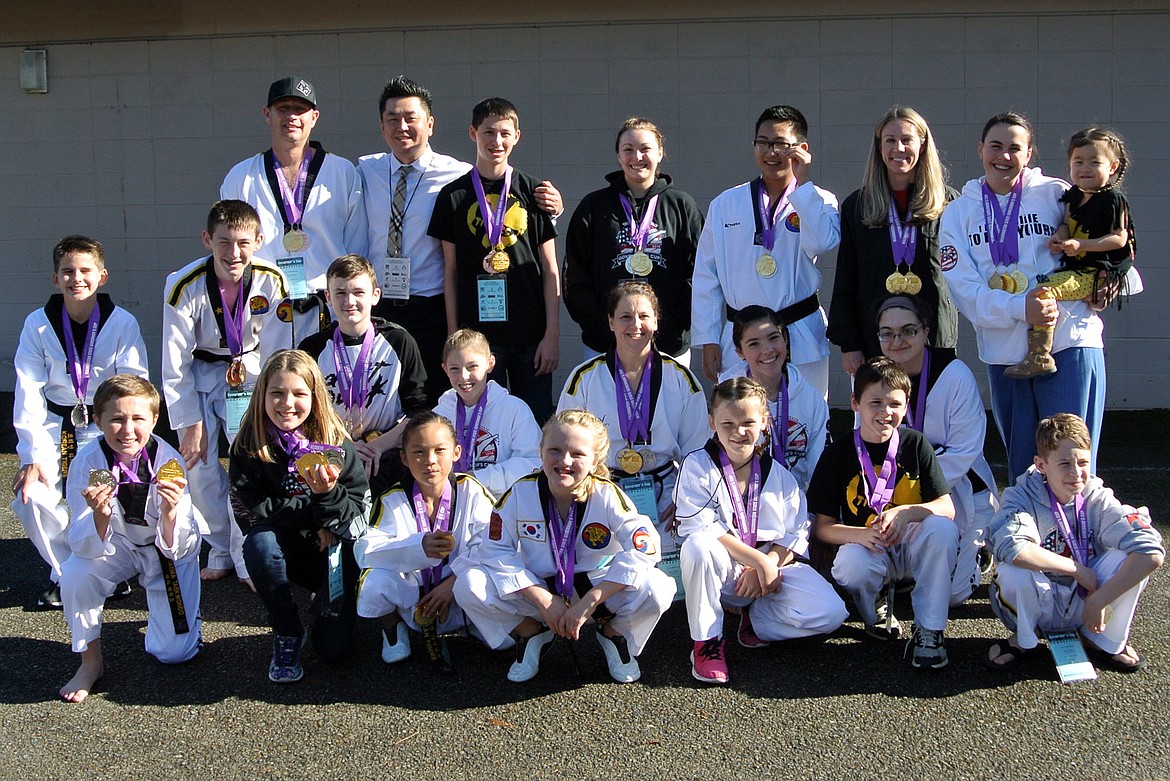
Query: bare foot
[
  {"x": 88, "y": 674},
  {"x": 248, "y": 582},
  {"x": 210, "y": 573}
]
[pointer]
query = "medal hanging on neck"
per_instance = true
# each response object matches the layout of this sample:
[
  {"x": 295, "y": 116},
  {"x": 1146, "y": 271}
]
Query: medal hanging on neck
[
  {"x": 468, "y": 431},
  {"x": 766, "y": 264},
  {"x": 353, "y": 380},
  {"x": 746, "y": 513},
  {"x": 563, "y": 534},
  {"x": 780, "y": 426},
  {"x": 879, "y": 488},
  {"x": 903, "y": 245},
  {"x": 633, "y": 417},
  {"x": 497, "y": 260},
  {"x": 433, "y": 576},
  {"x": 292, "y": 202},
  {"x": 233, "y": 334},
  {"x": 80, "y": 364},
  {"x": 639, "y": 263},
  {"x": 1003, "y": 227}
]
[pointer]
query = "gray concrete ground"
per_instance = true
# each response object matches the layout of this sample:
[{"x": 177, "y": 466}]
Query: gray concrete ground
[{"x": 842, "y": 708}]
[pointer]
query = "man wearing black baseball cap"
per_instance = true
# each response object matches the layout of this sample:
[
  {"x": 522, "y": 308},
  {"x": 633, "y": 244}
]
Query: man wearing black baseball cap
[{"x": 309, "y": 201}]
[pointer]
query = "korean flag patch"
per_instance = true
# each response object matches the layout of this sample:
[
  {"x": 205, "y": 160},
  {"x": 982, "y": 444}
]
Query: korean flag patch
[{"x": 532, "y": 530}]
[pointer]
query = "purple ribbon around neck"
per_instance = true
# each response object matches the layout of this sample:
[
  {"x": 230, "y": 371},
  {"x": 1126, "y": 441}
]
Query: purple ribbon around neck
[
  {"x": 352, "y": 380},
  {"x": 433, "y": 576},
  {"x": 879, "y": 488},
  {"x": 294, "y": 207},
  {"x": 639, "y": 230},
  {"x": 468, "y": 430},
  {"x": 564, "y": 544},
  {"x": 493, "y": 220},
  {"x": 903, "y": 238},
  {"x": 1002, "y": 223},
  {"x": 768, "y": 213},
  {"x": 233, "y": 320},
  {"x": 126, "y": 473},
  {"x": 633, "y": 409},
  {"x": 293, "y": 443},
  {"x": 918, "y": 418},
  {"x": 746, "y": 513},
  {"x": 780, "y": 426},
  {"x": 1077, "y": 539},
  {"x": 80, "y": 365}
]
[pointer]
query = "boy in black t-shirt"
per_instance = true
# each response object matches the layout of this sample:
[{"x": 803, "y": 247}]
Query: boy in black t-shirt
[
  {"x": 882, "y": 497},
  {"x": 500, "y": 273}
]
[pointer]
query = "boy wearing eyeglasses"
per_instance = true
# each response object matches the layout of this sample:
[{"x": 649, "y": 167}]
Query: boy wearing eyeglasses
[{"x": 760, "y": 245}]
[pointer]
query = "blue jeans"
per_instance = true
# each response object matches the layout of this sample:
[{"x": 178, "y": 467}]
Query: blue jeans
[
  {"x": 1019, "y": 405},
  {"x": 515, "y": 372},
  {"x": 278, "y": 557}
]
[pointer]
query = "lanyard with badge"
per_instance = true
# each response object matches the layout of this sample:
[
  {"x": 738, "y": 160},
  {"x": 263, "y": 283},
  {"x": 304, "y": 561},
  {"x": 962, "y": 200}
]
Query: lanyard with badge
[
  {"x": 1072, "y": 663},
  {"x": 396, "y": 270},
  {"x": 292, "y": 203},
  {"x": 492, "y": 287},
  {"x": 231, "y": 327}
]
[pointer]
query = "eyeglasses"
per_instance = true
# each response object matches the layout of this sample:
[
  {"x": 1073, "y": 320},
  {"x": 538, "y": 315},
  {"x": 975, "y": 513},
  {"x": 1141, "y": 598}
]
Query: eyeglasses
[
  {"x": 764, "y": 147},
  {"x": 907, "y": 333}
]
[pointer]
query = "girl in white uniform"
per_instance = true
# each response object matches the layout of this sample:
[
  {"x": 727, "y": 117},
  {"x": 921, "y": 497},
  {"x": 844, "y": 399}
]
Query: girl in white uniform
[
  {"x": 652, "y": 406},
  {"x": 946, "y": 407},
  {"x": 761, "y": 339},
  {"x": 419, "y": 538},
  {"x": 745, "y": 521},
  {"x": 132, "y": 515},
  {"x": 565, "y": 546}
]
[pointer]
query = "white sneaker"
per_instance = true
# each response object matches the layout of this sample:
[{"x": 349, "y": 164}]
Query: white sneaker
[
  {"x": 528, "y": 653},
  {"x": 401, "y": 648},
  {"x": 623, "y": 668}
]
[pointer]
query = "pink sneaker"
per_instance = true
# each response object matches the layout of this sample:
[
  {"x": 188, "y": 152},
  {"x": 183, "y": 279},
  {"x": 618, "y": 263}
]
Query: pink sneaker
[
  {"x": 747, "y": 635},
  {"x": 708, "y": 662}
]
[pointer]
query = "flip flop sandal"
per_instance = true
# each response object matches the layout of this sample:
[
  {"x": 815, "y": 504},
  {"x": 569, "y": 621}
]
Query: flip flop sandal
[
  {"x": 1014, "y": 654},
  {"x": 1111, "y": 662}
]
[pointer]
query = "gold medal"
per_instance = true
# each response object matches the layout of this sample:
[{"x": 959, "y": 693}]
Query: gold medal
[
  {"x": 1008, "y": 282},
  {"x": 295, "y": 240},
  {"x": 334, "y": 458},
  {"x": 236, "y": 373},
  {"x": 306, "y": 463},
  {"x": 648, "y": 458},
  {"x": 995, "y": 281},
  {"x": 171, "y": 470},
  {"x": 766, "y": 265},
  {"x": 629, "y": 461},
  {"x": 896, "y": 282},
  {"x": 424, "y": 621},
  {"x": 639, "y": 264},
  {"x": 913, "y": 283},
  {"x": 496, "y": 262},
  {"x": 103, "y": 477},
  {"x": 1021, "y": 280},
  {"x": 79, "y": 417}
]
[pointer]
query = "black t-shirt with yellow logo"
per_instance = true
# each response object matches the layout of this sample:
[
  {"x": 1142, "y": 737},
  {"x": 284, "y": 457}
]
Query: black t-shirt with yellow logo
[
  {"x": 838, "y": 490},
  {"x": 456, "y": 219}
]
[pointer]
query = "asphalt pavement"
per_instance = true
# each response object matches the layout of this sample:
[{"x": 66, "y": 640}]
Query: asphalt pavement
[{"x": 841, "y": 708}]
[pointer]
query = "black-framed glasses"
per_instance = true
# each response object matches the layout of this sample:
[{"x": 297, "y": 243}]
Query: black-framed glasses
[
  {"x": 907, "y": 333},
  {"x": 764, "y": 147}
]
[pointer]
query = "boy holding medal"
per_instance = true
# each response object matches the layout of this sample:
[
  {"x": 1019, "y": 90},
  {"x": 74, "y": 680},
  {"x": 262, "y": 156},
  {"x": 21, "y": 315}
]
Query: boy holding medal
[
  {"x": 219, "y": 325},
  {"x": 499, "y": 255},
  {"x": 309, "y": 201},
  {"x": 759, "y": 245},
  {"x": 882, "y": 497},
  {"x": 66, "y": 349},
  {"x": 372, "y": 369},
  {"x": 1070, "y": 555},
  {"x": 132, "y": 515}
]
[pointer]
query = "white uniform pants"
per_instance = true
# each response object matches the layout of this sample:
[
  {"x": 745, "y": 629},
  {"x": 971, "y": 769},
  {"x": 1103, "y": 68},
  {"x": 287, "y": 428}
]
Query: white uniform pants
[
  {"x": 45, "y": 521},
  {"x": 382, "y": 592},
  {"x": 636, "y": 610},
  {"x": 1029, "y": 603},
  {"x": 972, "y": 532},
  {"x": 209, "y": 492},
  {"x": 926, "y": 553},
  {"x": 85, "y": 584},
  {"x": 805, "y": 605}
]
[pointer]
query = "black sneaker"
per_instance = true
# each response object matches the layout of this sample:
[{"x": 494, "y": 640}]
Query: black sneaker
[{"x": 50, "y": 598}]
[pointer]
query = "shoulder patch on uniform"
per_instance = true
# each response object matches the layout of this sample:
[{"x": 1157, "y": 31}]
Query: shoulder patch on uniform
[
  {"x": 792, "y": 222},
  {"x": 596, "y": 536},
  {"x": 258, "y": 305},
  {"x": 948, "y": 256},
  {"x": 284, "y": 311},
  {"x": 496, "y": 527},
  {"x": 536, "y": 531},
  {"x": 643, "y": 542}
]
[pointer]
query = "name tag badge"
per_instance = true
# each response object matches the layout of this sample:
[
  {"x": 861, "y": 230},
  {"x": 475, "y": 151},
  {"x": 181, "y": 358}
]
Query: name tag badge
[
  {"x": 294, "y": 272},
  {"x": 493, "y": 298},
  {"x": 336, "y": 585},
  {"x": 237, "y": 405},
  {"x": 640, "y": 489},
  {"x": 1072, "y": 663},
  {"x": 671, "y": 564},
  {"x": 396, "y": 278}
]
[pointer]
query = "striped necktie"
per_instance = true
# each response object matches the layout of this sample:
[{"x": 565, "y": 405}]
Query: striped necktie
[{"x": 397, "y": 213}]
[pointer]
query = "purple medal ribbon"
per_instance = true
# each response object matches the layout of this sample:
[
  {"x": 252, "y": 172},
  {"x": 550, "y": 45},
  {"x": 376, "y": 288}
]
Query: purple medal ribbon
[
  {"x": 467, "y": 431},
  {"x": 293, "y": 443},
  {"x": 903, "y": 238},
  {"x": 768, "y": 213},
  {"x": 639, "y": 231},
  {"x": 233, "y": 321},
  {"x": 780, "y": 427},
  {"x": 746, "y": 514},
  {"x": 294, "y": 209},
  {"x": 879, "y": 488},
  {"x": 352, "y": 381},
  {"x": 633, "y": 410},
  {"x": 433, "y": 576},
  {"x": 80, "y": 366},
  {"x": 1078, "y": 545},
  {"x": 127, "y": 473},
  {"x": 918, "y": 418},
  {"x": 493, "y": 221},
  {"x": 1001, "y": 223},
  {"x": 564, "y": 544}
]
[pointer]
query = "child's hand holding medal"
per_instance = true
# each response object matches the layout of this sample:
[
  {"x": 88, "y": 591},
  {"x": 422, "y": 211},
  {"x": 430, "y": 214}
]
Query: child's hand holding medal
[{"x": 320, "y": 467}]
